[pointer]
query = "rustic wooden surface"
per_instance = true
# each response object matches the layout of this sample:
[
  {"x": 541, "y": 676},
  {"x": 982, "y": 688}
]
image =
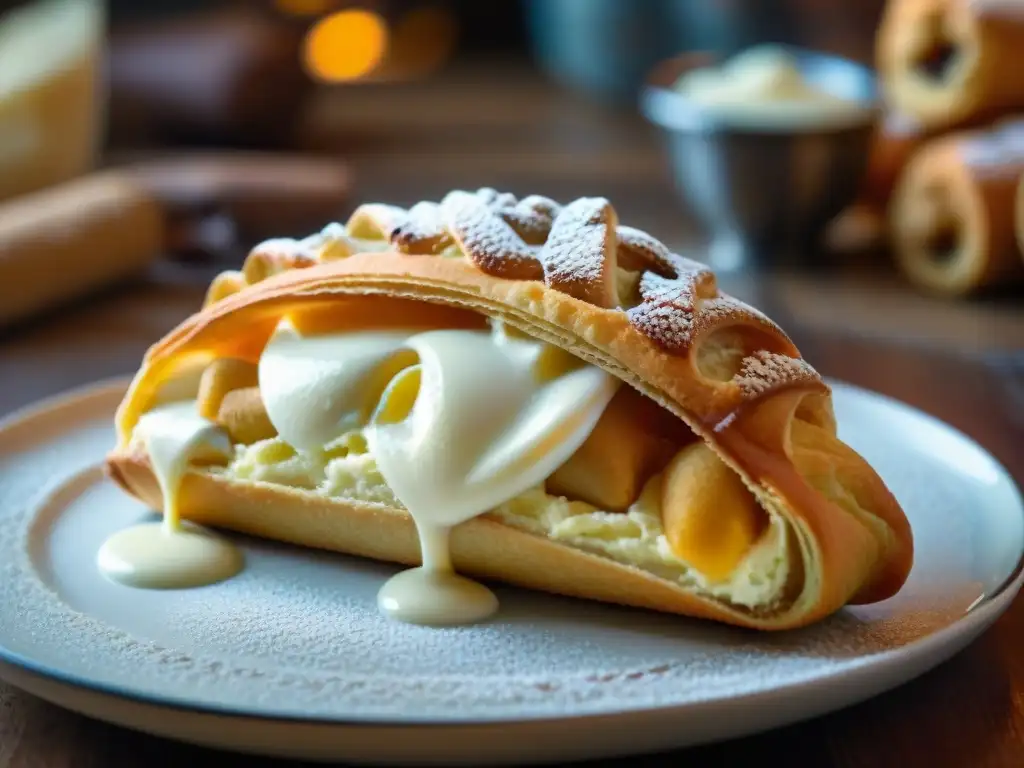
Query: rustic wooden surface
[{"x": 961, "y": 362}]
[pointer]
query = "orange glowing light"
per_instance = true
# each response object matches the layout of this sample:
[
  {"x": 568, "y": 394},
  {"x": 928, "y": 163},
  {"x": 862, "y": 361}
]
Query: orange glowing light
[{"x": 346, "y": 45}]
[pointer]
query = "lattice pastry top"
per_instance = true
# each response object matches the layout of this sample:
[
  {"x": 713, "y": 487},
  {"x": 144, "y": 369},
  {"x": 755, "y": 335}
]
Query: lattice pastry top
[{"x": 579, "y": 249}]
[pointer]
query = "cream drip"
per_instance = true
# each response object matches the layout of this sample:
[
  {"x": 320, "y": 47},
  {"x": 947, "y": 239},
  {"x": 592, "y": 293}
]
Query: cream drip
[
  {"x": 169, "y": 554},
  {"x": 459, "y": 421}
]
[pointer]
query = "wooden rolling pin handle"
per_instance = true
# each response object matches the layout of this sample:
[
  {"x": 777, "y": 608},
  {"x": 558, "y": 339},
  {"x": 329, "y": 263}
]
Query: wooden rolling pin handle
[
  {"x": 66, "y": 241},
  {"x": 71, "y": 239}
]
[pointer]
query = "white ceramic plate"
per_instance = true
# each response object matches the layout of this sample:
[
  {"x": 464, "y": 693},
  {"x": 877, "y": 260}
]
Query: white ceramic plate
[{"x": 292, "y": 658}]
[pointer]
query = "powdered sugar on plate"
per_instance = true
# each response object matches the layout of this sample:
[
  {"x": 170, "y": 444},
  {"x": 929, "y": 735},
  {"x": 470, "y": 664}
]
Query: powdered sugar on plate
[{"x": 297, "y": 634}]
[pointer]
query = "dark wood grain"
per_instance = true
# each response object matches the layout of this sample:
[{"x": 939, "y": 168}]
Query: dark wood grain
[{"x": 964, "y": 363}]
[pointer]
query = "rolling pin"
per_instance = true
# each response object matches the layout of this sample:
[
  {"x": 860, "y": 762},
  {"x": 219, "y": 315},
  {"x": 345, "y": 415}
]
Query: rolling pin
[{"x": 69, "y": 240}]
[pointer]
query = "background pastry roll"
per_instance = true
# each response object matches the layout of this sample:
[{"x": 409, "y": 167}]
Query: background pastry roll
[
  {"x": 1019, "y": 216},
  {"x": 952, "y": 214},
  {"x": 952, "y": 62},
  {"x": 709, "y": 481},
  {"x": 895, "y": 140}
]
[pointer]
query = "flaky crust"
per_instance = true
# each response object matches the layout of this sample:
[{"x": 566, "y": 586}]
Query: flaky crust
[
  {"x": 1018, "y": 217},
  {"x": 957, "y": 193},
  {"x": 854, "y": 541},
  {"x": 482, "y": 547},
  {"x": 987, "y": 33}
]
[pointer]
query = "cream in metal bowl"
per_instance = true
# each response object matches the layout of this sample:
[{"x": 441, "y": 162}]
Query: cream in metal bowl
[
  {"x": 765, "y": 88},
  {"x": 766, "y": 148}
]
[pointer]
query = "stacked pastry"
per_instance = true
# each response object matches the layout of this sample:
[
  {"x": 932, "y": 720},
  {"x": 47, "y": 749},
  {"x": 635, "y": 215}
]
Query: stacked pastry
[
  {"x": 947, "y": 163},
  {"x": 516, "y": 390}
]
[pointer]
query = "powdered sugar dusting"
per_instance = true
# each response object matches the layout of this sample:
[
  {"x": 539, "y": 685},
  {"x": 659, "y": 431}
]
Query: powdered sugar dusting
[
  {"x": 578, "y": 256},
  {"x": 422, "y": 232},
  {"x": 540, "y": 206},
  {"x": 494, "y": 199},
  {"x": 531, "y": 218},
  {"x": 701, "y": 275},
  {"x": 639, "y": 251},
  {"x": 680, "y": 292},
  {"x": 491, "y": 244},
  {"x": 666, "y": 314},
  {"x": 576, "y": 249},
  {"x": 376, "y": 221},
  {"x": 726, "y": 310},
  {"x": 767, "y": 371},
  {"x": 666, "y": 325}
]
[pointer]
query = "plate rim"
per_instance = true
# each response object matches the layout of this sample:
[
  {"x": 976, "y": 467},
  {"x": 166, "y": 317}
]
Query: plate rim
[{"x": 975, "y": 620}]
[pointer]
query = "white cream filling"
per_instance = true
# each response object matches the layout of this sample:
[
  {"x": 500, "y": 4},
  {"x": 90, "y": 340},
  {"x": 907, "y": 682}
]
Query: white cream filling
[
  {"x": 346, "y": 470},
  {"x": 493, "y": 416}
]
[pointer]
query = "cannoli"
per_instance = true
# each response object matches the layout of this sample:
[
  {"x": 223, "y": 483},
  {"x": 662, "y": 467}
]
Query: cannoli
[
  {"x": 518, "y": 391},
  {"x": 952, "y": 62},
  {"x": 951, "y": 218},
  {"x": 896, "y": 139},
  {"x": 1019, "y": 216}
]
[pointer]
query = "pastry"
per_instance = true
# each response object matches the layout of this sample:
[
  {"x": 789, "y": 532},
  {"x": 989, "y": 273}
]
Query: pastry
[
  {"x": 951, "y": 217},
  {"x": 895, "y": 140},
  {"x": 951, "y": 62},
  {"x": 558, "y": 400},
  {"x": 1018, "y": 216}
]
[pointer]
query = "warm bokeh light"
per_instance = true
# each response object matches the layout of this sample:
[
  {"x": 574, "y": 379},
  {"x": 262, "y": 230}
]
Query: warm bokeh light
[
  {"x": 304, "y": 7},
  {"x": 346, "y": 45}
]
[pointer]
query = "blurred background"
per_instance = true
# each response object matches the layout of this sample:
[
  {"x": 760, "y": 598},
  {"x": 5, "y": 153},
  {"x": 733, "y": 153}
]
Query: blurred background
[
  {"x": 852, "y": 168},
  {"x": 182, "y": 132}
]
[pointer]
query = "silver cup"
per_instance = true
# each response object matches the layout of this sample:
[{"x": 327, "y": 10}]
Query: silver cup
[{"x": 764, "y": 196}]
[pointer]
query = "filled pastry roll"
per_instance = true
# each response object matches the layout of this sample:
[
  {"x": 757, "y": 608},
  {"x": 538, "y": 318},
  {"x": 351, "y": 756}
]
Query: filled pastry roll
[
  {"x": 896, "y": 139},
  {"x": 520, "y": 391},
  {"x": 952, "y": 214},
  {"x": 1018, "y": 216},
  {"x": 952, "y": 62}
]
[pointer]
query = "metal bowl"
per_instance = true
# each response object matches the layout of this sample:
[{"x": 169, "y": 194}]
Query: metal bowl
[{"x": 764, "y": 195}]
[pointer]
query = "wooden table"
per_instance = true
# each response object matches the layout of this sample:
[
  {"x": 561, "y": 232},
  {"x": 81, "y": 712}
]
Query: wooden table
[{"x": 961, "y": 362}]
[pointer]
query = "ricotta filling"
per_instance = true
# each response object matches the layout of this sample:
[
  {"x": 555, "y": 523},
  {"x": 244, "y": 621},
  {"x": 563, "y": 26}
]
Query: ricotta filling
[{"x": 346, "y": 470}]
